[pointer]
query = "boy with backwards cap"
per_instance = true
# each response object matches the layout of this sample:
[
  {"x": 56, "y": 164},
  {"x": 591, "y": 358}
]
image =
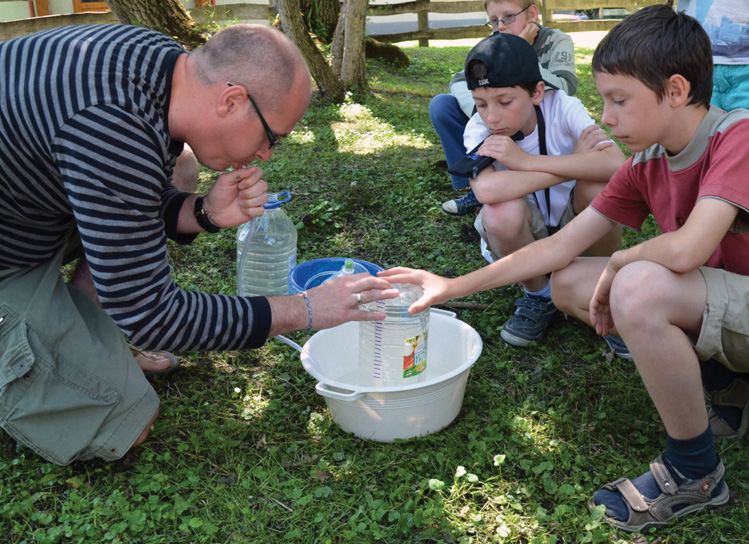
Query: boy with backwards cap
[
  {"x": 679, "y": 299},
  {"x": 551, "y": 160}
]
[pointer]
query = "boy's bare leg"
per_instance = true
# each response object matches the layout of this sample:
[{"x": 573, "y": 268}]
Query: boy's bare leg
[
  {"x": 508, "y": 229},
  {"x": 659, "y": 314},
  {"x": 572, "y": 287}
]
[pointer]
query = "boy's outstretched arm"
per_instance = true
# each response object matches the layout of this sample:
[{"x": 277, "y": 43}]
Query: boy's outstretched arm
[
  {"x": 681, "y": 251},
  {"x": 538, "y": 258}
]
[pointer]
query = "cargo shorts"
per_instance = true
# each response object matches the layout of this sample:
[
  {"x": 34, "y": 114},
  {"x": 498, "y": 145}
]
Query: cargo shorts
[
  {"x": 70, "y": 388},
  {"x": 725, "y": 321}
]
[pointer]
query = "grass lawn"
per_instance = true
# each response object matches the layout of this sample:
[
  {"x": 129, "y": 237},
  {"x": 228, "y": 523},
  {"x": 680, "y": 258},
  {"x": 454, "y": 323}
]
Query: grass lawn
[{"x": 245, "y": 451}]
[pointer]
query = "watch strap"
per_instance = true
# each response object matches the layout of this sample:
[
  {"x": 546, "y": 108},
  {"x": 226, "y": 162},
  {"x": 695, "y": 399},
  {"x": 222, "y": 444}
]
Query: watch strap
[{"x": 204, "y": 218}]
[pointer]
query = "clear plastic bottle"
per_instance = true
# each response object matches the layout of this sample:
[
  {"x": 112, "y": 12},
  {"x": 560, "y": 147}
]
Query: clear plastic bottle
[
  {"x": 394, "y": 351},
  {"x": 266, "y": 250}
]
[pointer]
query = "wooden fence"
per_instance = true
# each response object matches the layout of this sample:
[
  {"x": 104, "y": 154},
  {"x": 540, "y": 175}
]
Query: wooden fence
[{"x": 422, "y": 9}]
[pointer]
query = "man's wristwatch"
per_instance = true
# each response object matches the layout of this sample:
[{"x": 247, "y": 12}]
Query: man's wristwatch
[{"x": 204, "y": 218}]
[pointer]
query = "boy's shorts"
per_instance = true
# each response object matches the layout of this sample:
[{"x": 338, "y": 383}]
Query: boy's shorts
[
  {"x": 538, "y": 226},
  {"x": 725, "y": 321},
  {"x": 70, "y": 388}
]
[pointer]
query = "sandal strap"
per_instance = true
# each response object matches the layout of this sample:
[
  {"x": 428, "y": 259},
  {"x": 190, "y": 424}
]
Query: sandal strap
[
  {"x": 663, "y": 477},
  {"x": 631, "y": 495}
]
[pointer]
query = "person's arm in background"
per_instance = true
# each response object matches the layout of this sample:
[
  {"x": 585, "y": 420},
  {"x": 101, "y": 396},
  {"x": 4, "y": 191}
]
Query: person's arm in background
[{"x": 556, "y": 59}]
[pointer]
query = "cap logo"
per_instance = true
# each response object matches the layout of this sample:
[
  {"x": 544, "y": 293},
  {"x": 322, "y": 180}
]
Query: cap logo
[{"x": 483, "y": 82}]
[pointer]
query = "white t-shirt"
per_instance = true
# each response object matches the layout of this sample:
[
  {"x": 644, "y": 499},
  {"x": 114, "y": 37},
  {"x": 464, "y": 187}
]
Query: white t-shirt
[{"x": 565, "y": 118}]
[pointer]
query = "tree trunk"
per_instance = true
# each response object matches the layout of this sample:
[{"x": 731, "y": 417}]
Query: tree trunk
[
  {"x": 293, "y": 26},
  {"x": 167, "y": 16},
  {"x": 336, "y": 48},
  {"x": 321, "y": 17},
  {"x": 353, "y": 70}
]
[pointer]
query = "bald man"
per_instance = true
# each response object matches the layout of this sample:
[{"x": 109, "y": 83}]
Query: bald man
[{"x": 94, "y": 119}]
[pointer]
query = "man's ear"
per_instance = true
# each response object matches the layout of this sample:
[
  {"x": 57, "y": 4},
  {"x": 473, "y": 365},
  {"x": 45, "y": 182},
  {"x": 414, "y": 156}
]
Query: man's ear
[
  {"x": 538, "y": 93},
  {"x": 677, "y": 90},
  {"x": 230, "y": 100}
]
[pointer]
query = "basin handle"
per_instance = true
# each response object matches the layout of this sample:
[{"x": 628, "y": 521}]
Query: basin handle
[{"x": 324, "y": 391}]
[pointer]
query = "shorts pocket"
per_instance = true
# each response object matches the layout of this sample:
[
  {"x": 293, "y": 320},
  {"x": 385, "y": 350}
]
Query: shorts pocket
[{"x": 48, "y": 403}]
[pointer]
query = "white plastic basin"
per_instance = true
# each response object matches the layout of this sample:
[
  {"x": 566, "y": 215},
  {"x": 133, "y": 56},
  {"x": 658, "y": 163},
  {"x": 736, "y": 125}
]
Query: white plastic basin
[{"x": 384, "y": 414}]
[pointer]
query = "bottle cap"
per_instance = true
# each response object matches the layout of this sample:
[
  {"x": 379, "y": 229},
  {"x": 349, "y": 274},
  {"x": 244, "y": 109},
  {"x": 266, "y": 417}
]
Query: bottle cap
[{"x": 276, "y": 199}]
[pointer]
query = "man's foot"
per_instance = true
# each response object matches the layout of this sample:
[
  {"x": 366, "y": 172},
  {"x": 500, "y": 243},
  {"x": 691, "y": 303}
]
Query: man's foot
[
  {"x": 532, "y": 316},
  {"x": 659, "y": 496},
  {"x": 729, "y": 409},
  {"x": 155, "y": 363},
  {"x": 617, "y": 345},
  {"x": 461, "y": 206}
]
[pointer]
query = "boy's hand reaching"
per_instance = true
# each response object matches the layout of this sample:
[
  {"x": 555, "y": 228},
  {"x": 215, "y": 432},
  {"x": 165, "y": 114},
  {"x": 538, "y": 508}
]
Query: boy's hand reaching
[
  {"x": 593, "y": 138},
  {"x": 436, "y": 288}
]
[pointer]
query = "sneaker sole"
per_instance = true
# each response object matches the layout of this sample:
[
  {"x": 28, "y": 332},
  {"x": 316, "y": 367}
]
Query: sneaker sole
[
  {"x": 455, "y": 214},
  {"x": 516, "y": 341}
]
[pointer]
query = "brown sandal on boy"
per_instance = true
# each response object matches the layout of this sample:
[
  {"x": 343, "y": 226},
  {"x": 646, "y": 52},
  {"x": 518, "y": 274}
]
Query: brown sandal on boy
[{"x": 692, "y": 496}]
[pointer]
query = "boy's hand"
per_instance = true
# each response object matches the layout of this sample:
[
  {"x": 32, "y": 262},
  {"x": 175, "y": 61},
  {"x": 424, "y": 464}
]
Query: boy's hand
[
  {"x": 506, "y": 151},
  {"x": 600, "y": 308},
  {"x": 529, "y": 33},
  {"x": 436, "y": 288},
  {"x": 593, "y": 138}
]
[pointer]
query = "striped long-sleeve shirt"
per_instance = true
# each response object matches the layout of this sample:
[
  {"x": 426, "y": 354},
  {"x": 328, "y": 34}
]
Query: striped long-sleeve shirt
[{"x": 84, "y": 142}]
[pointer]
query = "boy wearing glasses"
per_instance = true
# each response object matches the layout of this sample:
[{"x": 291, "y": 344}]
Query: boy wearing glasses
[{"x": 450, "y": 112}]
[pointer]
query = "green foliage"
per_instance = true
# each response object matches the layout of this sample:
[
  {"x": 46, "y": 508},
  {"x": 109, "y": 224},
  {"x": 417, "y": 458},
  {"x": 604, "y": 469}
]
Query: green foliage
[{"x": 245, "y": 450}]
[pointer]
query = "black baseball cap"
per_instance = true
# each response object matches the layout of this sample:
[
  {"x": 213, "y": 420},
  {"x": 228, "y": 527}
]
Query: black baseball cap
[{"x": 509, "y": 61}]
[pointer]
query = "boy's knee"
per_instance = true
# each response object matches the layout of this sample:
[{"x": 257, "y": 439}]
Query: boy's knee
[
  {"x": 636, "y": 289},
  {"x": 505, "y": 219}
]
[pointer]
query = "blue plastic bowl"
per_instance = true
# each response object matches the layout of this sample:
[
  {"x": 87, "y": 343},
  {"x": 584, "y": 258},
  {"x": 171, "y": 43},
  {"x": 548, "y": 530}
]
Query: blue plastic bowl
[{"x": 312, "y": 273}]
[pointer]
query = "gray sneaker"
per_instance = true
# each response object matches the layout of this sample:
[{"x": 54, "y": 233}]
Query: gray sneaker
[{"x": 532, "y": 316}]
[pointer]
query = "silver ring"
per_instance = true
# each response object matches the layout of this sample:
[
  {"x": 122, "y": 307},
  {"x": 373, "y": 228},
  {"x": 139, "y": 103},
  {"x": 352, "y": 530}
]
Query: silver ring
[{"x": 358, "y": 298}]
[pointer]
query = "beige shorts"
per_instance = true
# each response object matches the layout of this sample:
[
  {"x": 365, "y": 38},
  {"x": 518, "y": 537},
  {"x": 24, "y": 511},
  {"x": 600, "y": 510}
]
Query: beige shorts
[
  {"x": 538, "y": 226},
  {"x": 725, "y": 321}
]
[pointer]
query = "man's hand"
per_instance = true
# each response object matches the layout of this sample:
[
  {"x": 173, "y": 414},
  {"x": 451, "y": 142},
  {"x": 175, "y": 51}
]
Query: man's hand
[
  {"x": 331, "y": 304},
  {"x": 236, "y": 197}
]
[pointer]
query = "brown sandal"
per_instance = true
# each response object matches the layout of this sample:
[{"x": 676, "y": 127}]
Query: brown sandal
[{"x": 692, "y": 496}]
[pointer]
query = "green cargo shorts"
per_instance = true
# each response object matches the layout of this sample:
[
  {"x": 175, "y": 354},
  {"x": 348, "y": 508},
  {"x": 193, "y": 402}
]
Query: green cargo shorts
[{"x": 70, "y": 388}]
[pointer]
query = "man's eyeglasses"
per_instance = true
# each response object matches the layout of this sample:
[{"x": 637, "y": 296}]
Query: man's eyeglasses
[
  {"x": 507, "y": 20},
  {"x": 272, "y": 138}
]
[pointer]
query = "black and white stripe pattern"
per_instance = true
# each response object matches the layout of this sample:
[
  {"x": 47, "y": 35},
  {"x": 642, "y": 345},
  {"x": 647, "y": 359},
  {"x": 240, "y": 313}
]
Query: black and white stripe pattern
[{"x": 84, "y": 141}]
